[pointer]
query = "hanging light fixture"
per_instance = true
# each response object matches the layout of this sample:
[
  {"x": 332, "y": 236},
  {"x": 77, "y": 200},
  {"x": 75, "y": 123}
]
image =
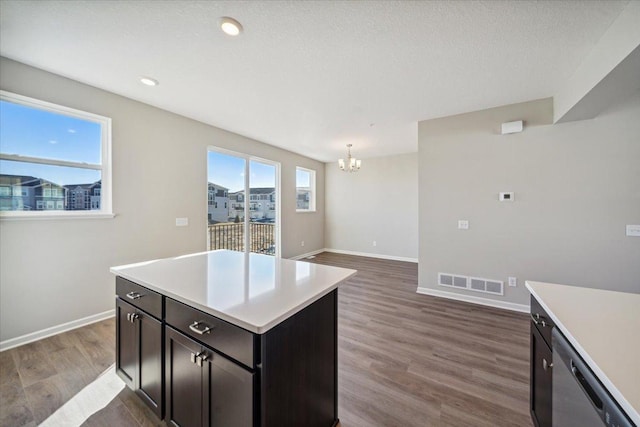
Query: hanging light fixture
[{"x": 352, "y": 164}]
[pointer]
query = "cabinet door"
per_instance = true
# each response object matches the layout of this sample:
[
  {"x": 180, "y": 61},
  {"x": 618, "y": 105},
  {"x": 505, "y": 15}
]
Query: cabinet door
[
  {"x": 139, "y": 353},
  {"x": 149, "y": 378},
  {"x": 230, "y": 397},
  {"x": 126, "y": 346},
  {"x": 183, "y": 380},
  {"x": 541, "y": 377}
]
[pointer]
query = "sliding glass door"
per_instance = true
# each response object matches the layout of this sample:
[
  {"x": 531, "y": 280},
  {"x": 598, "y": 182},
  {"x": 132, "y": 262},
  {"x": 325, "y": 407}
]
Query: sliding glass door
[{"x": 242, "y": 203}]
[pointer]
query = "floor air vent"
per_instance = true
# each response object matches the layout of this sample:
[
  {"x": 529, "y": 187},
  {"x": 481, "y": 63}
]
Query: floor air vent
[{"x": 477, "y": 284}]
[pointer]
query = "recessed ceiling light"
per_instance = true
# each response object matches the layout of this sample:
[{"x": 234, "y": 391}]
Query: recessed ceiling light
[
  {"x": 148, "y": 81},
  {"x": 230, "y": 26}
]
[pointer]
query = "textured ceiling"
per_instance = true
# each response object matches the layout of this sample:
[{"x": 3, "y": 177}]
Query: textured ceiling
[{"x": 312, "y": 76}]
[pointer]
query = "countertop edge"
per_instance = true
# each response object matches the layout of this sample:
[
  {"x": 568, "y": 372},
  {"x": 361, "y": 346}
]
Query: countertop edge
[
  {"x": 257, "y": 329},
  {"x": 618, "y": 396},
  {"x": 294, "y": 310}
]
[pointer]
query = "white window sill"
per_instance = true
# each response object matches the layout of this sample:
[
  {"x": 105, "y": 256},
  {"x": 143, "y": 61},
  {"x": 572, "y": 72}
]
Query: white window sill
[
  {"x": 305, "y": 211},
  {"x": 14, "y": 216}
]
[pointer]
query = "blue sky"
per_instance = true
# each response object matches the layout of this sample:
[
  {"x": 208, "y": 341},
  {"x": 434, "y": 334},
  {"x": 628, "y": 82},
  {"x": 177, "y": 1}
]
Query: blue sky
[
  {"x": 228, "y": 171},
  {"x": 37, "y": 133}
]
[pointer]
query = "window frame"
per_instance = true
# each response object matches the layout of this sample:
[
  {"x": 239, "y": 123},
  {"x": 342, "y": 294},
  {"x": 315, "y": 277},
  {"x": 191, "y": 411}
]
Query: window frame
[
  {"x": 312, "y": 190},
  {"x": 245, "y": 203},
  {"x": 105, "y": 166}
]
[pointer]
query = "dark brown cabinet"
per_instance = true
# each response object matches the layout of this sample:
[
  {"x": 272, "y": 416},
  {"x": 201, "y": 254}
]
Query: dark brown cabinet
[
  {"x": 139, "y": 353},
  {"x": 204, "y": 388},
  {"x": 541, "y": 366},
  {"x": 197, "y": 370}
]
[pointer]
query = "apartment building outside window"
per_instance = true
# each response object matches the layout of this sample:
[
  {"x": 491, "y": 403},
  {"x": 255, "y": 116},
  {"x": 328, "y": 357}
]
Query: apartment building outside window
[
  {"x": 53, "y": 160},
  {"x": 305, "y": 190}
]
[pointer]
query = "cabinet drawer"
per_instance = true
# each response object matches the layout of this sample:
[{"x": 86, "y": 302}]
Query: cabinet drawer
[
  {"x": 542, "y": 321},
  {"x": 139, "y": 296},
  {"x": 235, "y": 342}
]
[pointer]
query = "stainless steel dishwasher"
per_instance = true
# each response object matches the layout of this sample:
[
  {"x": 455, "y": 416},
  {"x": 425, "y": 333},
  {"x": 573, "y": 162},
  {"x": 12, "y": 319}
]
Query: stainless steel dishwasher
[{"x": 579, "y": 399}]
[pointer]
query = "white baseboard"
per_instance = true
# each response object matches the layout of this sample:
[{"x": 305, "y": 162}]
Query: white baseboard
[
  {"x": 523, "y": 308},
  {"x": 369, "y": 255},
  {"x": 55, "y": 330},
  {"x": 308, "y": 254}
]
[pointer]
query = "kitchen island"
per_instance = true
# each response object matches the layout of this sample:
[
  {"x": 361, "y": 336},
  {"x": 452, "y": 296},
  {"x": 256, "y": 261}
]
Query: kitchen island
[
  {"x": 604, "y": 329},
  {"x": 225, "y": 338}
]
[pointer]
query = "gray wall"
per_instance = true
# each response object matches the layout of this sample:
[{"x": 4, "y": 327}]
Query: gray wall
[
  {"x": 379, "y": 203},
  {"x": 57, "y": 271},
  {"x": 576, "y": 186}
]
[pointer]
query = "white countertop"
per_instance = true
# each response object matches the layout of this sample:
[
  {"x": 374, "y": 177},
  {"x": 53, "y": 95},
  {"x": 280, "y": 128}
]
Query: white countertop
[
  {"x": 253, "y": 291},
  {"x": 604, "y": 328}
]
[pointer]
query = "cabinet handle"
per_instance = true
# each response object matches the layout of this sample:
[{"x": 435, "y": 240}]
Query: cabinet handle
[
  {"x": 128, "y": 317},
  {"x": 546, "y": 365},
  {"x": 201, "y": 358},
  {"x": 535, "y": 318},
  {"x": 134, "y": 295},
  {"x": 133, "y": 317},
  {"x": 537, "y": 321},
  {"x": 194, "y": 328},
  {"x": 197, "y": 358}
]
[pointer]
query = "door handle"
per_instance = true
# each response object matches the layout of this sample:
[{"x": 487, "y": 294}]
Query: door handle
[{"x": 587, "y": 388}]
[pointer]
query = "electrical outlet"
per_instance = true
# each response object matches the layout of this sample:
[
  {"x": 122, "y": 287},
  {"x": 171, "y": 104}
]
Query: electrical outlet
[
  {"x": 375, "y": 243},
  {"x": 302, "y": 243},
  {"x": 513, "y": 281},
  {"x": 463, "y": 224},
  {"x": 182, "y": 222},
  {"x": 633, "y": 230}
]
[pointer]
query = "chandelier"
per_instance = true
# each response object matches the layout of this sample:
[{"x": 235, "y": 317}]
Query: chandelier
[{"x": 352, "y": 164}]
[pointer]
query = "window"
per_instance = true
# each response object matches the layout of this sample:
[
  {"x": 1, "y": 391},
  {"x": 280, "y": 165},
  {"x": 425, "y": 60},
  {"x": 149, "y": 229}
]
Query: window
[
  {"x": 49, "y": 155},
  {"x": 248, "y": 226},
  {"x": 305, "y": 190}
]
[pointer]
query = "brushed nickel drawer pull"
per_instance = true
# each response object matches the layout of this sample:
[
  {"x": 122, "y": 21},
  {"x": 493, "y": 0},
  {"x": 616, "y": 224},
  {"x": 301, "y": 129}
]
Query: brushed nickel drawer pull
[
  {"x": 194, "y": 328},
  {"x": 134, "y": 295}
]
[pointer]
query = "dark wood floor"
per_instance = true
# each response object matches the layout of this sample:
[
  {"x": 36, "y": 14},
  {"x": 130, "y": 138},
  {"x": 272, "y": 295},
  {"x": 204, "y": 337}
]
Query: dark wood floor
[
  {"x": 414, "y": 360},
  {"x": 404, "y": 360}
]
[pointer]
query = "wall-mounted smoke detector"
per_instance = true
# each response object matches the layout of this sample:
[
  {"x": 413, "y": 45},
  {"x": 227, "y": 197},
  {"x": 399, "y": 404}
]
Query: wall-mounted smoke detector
[{"x": 512, "y": 127}]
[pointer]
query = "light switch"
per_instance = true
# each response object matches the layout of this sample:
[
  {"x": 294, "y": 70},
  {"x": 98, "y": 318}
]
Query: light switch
[
  {"x": 633, "y": 230},
  {"x": 182, "y": 222},
  {"x": 463, "y": 224}
]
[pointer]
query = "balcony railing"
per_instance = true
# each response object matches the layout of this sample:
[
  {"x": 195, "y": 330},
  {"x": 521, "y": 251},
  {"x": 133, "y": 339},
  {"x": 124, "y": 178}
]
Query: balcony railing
[{"x": 231, "y": 236}]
